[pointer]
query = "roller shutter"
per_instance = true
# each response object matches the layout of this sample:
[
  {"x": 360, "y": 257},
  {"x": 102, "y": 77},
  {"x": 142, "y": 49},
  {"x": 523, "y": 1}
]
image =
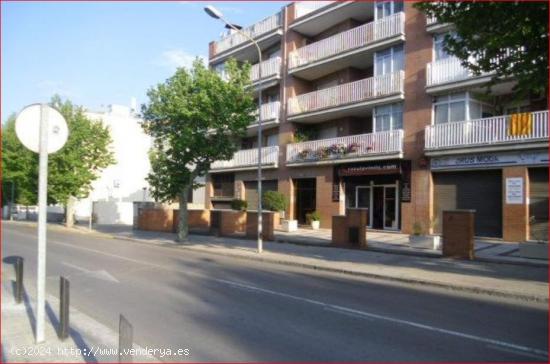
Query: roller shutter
[
  {"x": 538, "y": 203},
  {"x": 476, "y": 190}
]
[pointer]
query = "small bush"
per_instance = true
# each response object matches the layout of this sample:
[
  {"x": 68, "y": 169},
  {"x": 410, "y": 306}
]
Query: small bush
[
  {"x": 239, "y": 205},
  {"x": 313, "y": 216},
  {"x": 274, "y": 201}
]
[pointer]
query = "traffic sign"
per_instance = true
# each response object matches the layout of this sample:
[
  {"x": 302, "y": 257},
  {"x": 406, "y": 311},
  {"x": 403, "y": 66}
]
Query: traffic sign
[{"x": 27, "y": 128}]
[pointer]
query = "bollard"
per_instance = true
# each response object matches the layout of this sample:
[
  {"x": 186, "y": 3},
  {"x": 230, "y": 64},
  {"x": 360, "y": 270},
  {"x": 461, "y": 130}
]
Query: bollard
[
  {"x": 64, "y": 295},
  {"x": 125, "y": 340},
  {"x": 18, "y": 279}
]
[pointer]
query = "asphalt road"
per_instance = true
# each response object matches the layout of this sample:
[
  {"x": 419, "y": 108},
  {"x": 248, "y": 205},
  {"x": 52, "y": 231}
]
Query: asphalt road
[{"x": 227, "y": 309}]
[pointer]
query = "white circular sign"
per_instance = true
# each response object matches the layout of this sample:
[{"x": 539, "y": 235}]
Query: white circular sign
[{"x": 27, "y": 128}]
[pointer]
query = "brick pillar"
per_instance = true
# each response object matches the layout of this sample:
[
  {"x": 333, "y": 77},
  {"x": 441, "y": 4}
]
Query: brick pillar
[
  {"x": 239, "y": 191},
  {"x": 416, "y": 116},
  {"x": 208, "y": 192},
  {"x": 458, "y": 234},
  {"x": 515, "y": 217},
  {"x": 324, "y": 204},
  {"x": 342, "y": 226},
  {"x": 286, "y": 187}
]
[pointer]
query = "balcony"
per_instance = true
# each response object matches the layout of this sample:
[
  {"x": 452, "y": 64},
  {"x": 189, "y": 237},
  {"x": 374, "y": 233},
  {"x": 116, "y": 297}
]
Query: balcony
[
  {"x": 374, "y": 146},
  {"x": 434, "y": 26},
  {"x": 266, "y": 32},
  {"x": 347, "y": 49},
  {"x": 314, "y": 17},
  {"x": 271, "y": 73},
  {"x": 448, "y": 74},
  {"x": 488, "y": 134},
  {"x": 247, "y": 159},
  {"x": 346, "y": 99},
  {"x": 270, "y": 117}
]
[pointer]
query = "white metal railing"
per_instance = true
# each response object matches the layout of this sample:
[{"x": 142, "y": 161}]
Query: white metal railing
[
  {"x": 348, "y": 147},
  {"x": 270, "y": 67},
  {"x": 431, "y": 20},
  {"x": 234, "y": 39},
  {"x": 249, "y": 158},
  {"x": 306, "y": 7},
  {"x": 446, "y": 70},
  {"x": 354, "y": 38},
  {"x": 270, "y": 111},
  {"x": 347, "y": 93},
  {"x": 481, "y": 132}
]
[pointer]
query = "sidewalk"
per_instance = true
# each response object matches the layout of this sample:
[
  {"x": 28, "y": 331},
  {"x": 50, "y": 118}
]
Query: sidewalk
[
  {"x": 506, "y": 280},
  {"x": 89, "y": 341}
]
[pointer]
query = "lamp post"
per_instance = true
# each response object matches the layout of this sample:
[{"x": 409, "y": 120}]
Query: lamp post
[{"x": 216, "y": 14}]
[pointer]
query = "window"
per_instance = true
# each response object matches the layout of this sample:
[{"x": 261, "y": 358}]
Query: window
[
  {"x": 386, "y": 8},
  {"x": 439, "y": 48},
  {"x": 450, "y": 108},
  {"x": 388, "y": 61},
  {"x": 460, "y": 107},
  {"x": 388, "y": 117}
]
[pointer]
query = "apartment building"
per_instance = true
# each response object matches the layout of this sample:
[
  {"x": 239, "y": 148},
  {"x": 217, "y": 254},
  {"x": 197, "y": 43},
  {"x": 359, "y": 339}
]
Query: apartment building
[{"x": 362, "y": 107}]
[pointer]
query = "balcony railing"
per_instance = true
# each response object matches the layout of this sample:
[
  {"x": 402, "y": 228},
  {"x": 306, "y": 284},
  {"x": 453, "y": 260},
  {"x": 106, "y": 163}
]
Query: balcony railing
[
  {"x": 348, "y": 147},
  {"x": 306, "y": 7},
  {"x": 270, "y": 111},
  {"x": 270, "y": 67},
  {"x": 249, "y": 158},
  {"x": 348, "y": 93},
  {"x": 431, "y": 20},
  {"x": 486, "y": 132},
  {"x": 445, "y": 71},
  {"x": 232, "y": 40},
  {"x": 354, "y": 38}
]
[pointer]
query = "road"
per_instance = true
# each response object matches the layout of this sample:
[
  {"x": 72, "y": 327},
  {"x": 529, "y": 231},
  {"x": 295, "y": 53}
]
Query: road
[{"x": 227, "y": 309}]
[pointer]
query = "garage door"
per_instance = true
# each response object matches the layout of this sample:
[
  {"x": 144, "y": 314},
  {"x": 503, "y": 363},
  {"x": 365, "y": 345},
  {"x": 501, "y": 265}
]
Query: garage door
[
  {"x": 476, "y": 190},
  {"x": 538, "y": 203},
  {"x": 251, "y": 191}
]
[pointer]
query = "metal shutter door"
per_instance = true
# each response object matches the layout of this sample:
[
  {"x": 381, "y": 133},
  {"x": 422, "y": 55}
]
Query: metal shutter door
[
  {"x": 538, "y": 203},
  {"x": 477, "y": 190}
]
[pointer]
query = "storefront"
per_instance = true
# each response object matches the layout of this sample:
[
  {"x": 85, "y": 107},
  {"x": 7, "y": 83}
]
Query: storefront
[
  {"x": 379, "y": 187},
  {"x": 506, "y": 189}
]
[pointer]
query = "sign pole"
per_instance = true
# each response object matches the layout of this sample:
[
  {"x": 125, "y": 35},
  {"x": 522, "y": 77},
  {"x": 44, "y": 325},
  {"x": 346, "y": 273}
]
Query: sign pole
[{"x": 42, "y": 212}]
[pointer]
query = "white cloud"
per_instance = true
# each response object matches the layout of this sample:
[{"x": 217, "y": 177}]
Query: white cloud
[{"x": 174, "y": 58}]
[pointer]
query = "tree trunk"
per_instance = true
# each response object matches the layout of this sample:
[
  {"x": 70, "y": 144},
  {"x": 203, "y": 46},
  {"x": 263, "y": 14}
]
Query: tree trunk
[
  {"x": 69, "y": 212},
  {"x": 183, "y": 226}
]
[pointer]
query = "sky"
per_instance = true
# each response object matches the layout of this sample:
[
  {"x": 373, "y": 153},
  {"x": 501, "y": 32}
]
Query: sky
[{"x": 101, "y": 53}]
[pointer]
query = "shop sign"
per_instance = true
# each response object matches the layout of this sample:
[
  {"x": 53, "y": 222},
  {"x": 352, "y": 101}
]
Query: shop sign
[
  {"x": 514, "y": 191},
  {"x": 484, "y": 160},
  {"x": 370, "y": 169}
]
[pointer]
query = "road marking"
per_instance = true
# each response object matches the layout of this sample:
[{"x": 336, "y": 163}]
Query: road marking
[
  {"x": 98, "y": 274},
  {"x": 506, "y": 350},
  {"x": 342, "y": 309}
]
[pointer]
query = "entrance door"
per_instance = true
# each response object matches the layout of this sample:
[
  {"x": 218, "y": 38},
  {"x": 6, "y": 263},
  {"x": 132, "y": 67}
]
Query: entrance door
[
  {"x": 362, "y": 200},
  {"x": 538, "y": 203},
  {"x": 305, "y": 198},
  {"x": 378, "y": 207},
  {"x": 390, "y": 207}
]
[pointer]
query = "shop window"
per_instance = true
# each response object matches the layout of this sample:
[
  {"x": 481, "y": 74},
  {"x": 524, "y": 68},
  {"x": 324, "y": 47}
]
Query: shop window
[{"x": 388, "y": 117}]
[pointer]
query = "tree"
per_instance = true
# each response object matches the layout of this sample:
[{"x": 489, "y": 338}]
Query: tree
[
  {"x": 195, "y": 118},
  {"x": 71, "y": 170},
  {"x": 508, "y": 38}
]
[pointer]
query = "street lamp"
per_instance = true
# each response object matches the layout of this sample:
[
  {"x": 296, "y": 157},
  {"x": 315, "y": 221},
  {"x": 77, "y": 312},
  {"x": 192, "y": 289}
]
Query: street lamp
[{"x": 216, "y": 14}]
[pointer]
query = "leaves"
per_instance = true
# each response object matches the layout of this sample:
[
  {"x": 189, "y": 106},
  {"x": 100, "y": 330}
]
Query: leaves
[
  {"x": 71, "y": 170},
  {"x": 195, "y": 118},
  {"x": 509, "y": 38}
]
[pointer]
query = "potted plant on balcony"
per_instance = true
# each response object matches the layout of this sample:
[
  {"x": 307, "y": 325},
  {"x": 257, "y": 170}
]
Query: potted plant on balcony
[
  {"x": 304, "y": 154},
  {"x": 314, "y": 219},
  {"x": 537, "y": 247},
  {"x": 352, "y": 148},
  {"x": 337, "y": 150},
  {"x": 322, "y": 153},
  {"x": 424, "y": 241}
]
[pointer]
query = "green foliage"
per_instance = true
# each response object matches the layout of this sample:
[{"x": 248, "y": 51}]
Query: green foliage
[
  {"x": 71, "y": 170},
  {"x": 239, "y": 205},
  {"x": 313, "y": 216},
  {"x": 304, "y": 135},
  {"x": 195, "y": 118},
  {"x": 274, "y": 201},
  {"x": 489, "y": 30}
]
